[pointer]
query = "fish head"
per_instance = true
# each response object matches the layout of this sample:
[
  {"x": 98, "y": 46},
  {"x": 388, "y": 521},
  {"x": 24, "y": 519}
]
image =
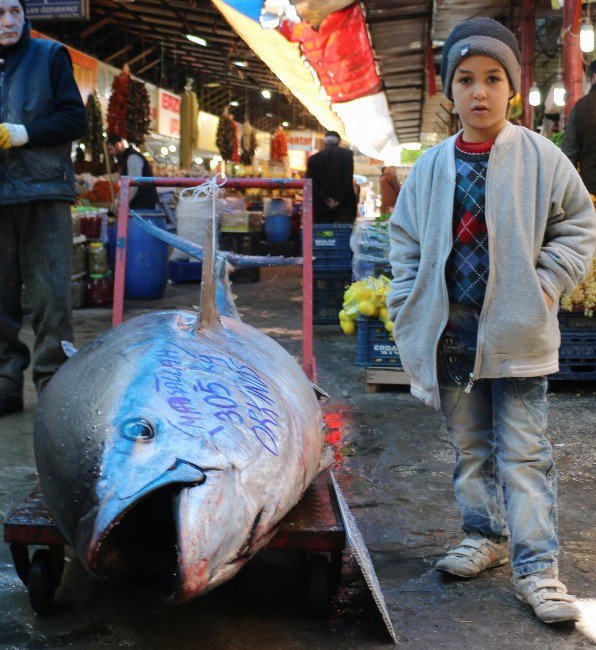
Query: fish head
[{"x": 137, "y": 475}]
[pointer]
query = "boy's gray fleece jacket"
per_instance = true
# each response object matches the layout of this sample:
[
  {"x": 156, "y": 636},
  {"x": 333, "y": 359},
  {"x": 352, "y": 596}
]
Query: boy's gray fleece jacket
[{"x": 541, "y": 234}]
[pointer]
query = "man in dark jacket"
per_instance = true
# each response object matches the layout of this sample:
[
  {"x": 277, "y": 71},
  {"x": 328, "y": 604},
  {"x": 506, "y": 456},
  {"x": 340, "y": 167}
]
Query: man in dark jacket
[
  {"x": 332, "y": 171},
  {"x": 579, "y": 143},
  {"x": 41, "y": 112},
  {"x": 133, "y": 163}
]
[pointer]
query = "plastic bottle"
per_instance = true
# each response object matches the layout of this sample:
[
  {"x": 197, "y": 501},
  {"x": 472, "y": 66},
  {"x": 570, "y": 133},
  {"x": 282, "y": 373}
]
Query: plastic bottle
[
  {"x": 97, "y": 291},
  {"x": 97, "y": 258}
]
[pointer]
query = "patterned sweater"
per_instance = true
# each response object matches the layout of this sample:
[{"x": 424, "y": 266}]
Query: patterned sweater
[{"x": 467, "y": 266}]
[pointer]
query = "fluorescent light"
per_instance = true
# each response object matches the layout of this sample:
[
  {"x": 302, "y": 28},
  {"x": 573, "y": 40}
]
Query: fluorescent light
[
  {"x": 559, "y": 90},
  {"x": 559, "y": 96},
  {"x": 269, "y": 114},
  {"x": 285, "y": 124},
  {"x": 241, "y": 64},
  {"x": 266, "y": 94},
  {"x": 586, "y": 36},
  {"x": 534, "y": 97},
  {"x": 197, "y": 40},
  {"x": 235, "y": 103}
]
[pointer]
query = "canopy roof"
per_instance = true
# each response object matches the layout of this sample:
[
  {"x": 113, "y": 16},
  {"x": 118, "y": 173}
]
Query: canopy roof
[{"x": 405, "y": 38}]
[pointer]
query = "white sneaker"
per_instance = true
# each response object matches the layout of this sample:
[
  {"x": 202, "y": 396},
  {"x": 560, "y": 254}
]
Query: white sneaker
[
  {"x": 548, "y": 598},
  {"x": 473, "y": 556}
]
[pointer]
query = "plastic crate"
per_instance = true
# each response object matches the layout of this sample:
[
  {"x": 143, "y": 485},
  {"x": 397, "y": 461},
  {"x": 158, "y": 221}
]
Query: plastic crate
[
  {"x": 574, "y": 320},
  {"x": 375, "y": 348},
  {"x": 328, "y": 296},
  {"x": 331, "y": 247},
  {"x": 245, "y": 243},
  {"x": 184, "y": 271},
  {"x": 577, "y": 355},
  {"x": 363, "y": 269}
]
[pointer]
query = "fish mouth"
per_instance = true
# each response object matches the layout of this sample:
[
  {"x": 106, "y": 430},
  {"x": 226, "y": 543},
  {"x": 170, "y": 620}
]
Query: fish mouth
[{"x": 141, "y": 547}]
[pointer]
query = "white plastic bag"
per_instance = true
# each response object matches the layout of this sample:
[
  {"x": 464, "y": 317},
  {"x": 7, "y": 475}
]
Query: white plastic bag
[{"x": 191, "y": 219}]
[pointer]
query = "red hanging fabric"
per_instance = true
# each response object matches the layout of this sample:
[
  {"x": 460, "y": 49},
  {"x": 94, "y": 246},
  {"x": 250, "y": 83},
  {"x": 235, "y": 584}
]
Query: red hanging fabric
[{"x": 340, "y": 52}]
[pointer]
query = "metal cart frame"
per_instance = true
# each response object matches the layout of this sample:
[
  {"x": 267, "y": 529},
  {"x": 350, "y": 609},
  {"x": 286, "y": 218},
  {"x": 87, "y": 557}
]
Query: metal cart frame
[
  {"x": 314, "y": 527},
  {"x": 126, "y": 182}
]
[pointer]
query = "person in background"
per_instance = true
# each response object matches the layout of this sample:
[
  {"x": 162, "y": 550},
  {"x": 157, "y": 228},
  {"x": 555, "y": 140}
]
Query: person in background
[
  {"x": 332, "y": 172},
  {"x": 490, "y": 228},
  {"x": 43, "y": 112},
  {"x": 389, "y": 186},
  {"x": 579, "y": 141},
  {"x": 133, "y": 163}
]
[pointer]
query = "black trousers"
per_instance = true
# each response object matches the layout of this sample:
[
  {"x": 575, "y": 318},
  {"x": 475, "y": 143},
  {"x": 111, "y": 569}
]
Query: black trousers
[{"x": 35, "y": 251}]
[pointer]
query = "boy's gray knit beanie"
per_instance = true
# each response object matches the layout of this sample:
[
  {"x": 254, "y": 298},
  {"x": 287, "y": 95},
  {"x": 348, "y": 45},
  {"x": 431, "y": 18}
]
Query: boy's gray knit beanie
[{"x": 481, "y": 36}]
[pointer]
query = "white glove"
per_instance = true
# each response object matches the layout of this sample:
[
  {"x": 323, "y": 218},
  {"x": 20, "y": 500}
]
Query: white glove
[{"x": 13, "y": 135}]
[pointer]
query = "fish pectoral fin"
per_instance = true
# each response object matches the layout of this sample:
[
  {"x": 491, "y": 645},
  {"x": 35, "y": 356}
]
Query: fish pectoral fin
[
  {"x": 322, "y": 396},
  {"x": 187, "y": 472},
  {"x": 68, "y": 348}
]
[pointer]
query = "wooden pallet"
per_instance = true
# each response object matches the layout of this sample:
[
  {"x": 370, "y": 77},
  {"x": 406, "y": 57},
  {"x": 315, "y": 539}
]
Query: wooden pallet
[{"x": 377, "y": 377}]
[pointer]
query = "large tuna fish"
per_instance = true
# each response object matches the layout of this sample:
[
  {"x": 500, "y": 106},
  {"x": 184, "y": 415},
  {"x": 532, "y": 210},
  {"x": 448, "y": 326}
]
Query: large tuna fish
[{"x": 170, "y": 447}]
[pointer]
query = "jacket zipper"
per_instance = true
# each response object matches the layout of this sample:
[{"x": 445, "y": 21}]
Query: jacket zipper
[
  {"x": 445, "y": 316},
  {"x": 480, "y": 344}
]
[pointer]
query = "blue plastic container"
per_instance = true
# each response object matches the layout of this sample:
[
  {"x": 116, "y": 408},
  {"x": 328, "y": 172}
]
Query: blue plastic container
[
  {"x": 278, "y": 228},
  {"x": 112, "y": 246},
  {"x": 146, "y": 259}
]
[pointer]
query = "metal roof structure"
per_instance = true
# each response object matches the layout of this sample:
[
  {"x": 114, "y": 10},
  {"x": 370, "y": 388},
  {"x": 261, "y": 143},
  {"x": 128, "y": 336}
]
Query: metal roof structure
[
  {"x": 406, "y": 38},
  {"x": 150, "y": 37}
]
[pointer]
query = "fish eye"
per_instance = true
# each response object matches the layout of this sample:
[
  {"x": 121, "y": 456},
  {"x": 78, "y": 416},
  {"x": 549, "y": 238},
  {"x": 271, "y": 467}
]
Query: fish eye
[{"x": 140, "y": 430}]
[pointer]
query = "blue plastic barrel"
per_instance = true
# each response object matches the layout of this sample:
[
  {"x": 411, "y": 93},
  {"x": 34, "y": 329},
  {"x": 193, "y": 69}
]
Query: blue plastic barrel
[
  {"x": 278, "y": 228},
  {"x": 146, "y": 259}
]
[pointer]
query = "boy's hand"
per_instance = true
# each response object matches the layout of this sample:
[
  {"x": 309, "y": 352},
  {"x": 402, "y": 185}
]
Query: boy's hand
[{"x": 549, "y": 301}]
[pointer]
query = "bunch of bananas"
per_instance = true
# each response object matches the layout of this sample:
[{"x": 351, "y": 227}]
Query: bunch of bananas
[{"x": 366, "y": 297}]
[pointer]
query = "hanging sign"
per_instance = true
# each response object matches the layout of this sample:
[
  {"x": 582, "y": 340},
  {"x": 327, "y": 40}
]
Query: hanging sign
[
  {"x": 168, "y": 119},
  {"x": 53, "y": 9}
]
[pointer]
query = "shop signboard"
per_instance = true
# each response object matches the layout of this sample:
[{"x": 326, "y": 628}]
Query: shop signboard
[
  {"x": 301, "y": 140},
  {"x": 58, "y": 9},
  {"x": 153, "y": 92},
  {"x": 168, "y": 114}
]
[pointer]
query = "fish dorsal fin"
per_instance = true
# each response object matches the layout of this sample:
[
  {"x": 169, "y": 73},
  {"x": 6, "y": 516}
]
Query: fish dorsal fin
[
  {"x": 209, "y": 317},
  {"x": 208, "y": 313}
]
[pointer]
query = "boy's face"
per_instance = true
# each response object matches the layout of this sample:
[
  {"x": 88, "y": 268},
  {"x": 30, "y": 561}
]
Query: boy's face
[
  {"x": 12, "y": 21},
  {"x": 481, "y": 93}
]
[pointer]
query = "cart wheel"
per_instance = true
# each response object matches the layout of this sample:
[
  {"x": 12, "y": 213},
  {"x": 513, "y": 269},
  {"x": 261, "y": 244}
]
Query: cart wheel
[
  {"x": 57, "y": 559},
  {"x": 318, "y": 586},
  {"x": 42, "y": 582},
  {"x": 20, "y": 557},
  {"x": 337, "y": 559}
]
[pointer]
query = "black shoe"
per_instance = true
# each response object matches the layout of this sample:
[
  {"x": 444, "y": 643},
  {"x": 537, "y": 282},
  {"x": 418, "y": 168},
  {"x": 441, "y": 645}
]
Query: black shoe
[{"x": 10, "y": 404}]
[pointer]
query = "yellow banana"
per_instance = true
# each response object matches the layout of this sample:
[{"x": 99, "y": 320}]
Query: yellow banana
[{"x": 5, "y": 139}]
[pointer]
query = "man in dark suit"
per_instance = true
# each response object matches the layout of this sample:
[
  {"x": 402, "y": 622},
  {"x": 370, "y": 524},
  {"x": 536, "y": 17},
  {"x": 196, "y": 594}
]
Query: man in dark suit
[{"x": 332, "y": 171}]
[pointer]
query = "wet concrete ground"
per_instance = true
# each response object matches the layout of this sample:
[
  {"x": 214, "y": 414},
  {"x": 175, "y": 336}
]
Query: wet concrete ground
[{"x": 396, "y": 475}]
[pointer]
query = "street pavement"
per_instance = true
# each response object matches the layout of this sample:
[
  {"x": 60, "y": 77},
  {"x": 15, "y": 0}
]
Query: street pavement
[{"x": 394, "y": 466}]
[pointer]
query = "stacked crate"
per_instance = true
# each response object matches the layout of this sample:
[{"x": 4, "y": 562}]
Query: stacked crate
[
  {"x": 577, "y": 354},
  {"x": 332, "y": 268},
  {"x": 244, "y": 243},
  {"x": 376, "y": 347}
]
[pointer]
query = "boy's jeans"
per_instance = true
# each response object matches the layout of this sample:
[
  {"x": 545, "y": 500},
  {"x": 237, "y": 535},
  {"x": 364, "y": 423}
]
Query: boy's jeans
[{"x": 504, "y": 479}]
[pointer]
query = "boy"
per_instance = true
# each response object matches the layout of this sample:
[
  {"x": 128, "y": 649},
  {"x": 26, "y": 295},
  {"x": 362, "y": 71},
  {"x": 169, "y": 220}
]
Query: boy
[{"x": 490, "y": 228}]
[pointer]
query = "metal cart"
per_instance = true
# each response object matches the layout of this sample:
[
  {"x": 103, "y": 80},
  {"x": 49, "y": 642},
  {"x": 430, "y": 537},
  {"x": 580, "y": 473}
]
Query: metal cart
[{"x": 314, "y": 526}]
